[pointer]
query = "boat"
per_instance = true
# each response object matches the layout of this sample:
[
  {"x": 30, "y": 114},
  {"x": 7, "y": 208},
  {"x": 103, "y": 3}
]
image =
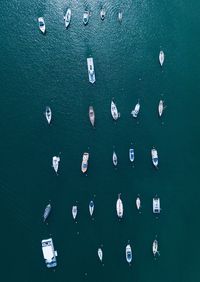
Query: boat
[
  {"x": 84, "y": 165},
  {"x": 160, "y": 107},
  {"x": 120, "y": 16},
  {"x": 49, "y": 253},
  {"x": 100, "y": 254},
  {"x": 86, "y": 17},
  {"x": 156, "y": 205},
  {"x": 136, "y": 110},
  {"x": 131, "y": 154},
  {"x": 114, "y": 158},
  {"x": 91, "y": 115},
  {"x": 41, "y": 23},
  {"x": 155, "y": 248},
  {"x": 67, "y": 17},
  {"x": 55, "y": 163},
  {"x": 161, "y": 58},
  {"x": 102, "y": 14},
  {"x": 154, "y": 157},
  {"x": 48, "y": 114},
  {"x": 128, "y": 253},
  {"x": 46, "y": 212},
  {"x": 119, "y": 207},
  {"x": 91, "y": 73},
  {"x": 91, "y": 207},
  {"x": 114, "y": 111},
  {"x": 74, "y": 211},
  {"x": 138, "y": 203}
]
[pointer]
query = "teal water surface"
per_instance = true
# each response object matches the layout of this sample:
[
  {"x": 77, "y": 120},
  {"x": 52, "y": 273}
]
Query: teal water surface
[{"x": 39, "y": 70}]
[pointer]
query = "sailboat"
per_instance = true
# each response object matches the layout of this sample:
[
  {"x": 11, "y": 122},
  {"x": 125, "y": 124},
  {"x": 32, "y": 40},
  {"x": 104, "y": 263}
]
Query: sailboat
[
  {"x": 91, "y": 207},
  {"x": 114, "y": 158},
  {"x": 161, "y": 58},
  {"x": 161, "y": 107},
  {"x": 74, "y": 211},
  {"x": 91, "y": 115},
  {"x": 138, "y": 203},
  {"x": 155, "y": 248},
  {"x": 48, "y": 114},
  {"x": 100, "y": 254},
  {"x": 119, "y": 207},
  {"x": 55, "y": 163},
  {"x": 114, "y": 112},
  {"x": 128, "y": 253},
  {"x": 46, "y": 212}
]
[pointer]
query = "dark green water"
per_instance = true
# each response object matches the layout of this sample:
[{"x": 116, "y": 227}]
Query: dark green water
[{"x": 39, "y": 70}]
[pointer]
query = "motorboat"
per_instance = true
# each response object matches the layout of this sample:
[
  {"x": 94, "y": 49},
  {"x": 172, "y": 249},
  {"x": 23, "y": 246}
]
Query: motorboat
[
  {"x": 74, "y": 212},
  {"x": 91, "y": 73},
  {"x": 154, "y": 157},
  {"x": 120, "y": 16},
  {"x": 136, "y": 110},
  {"x": 41, "y": 23},
  {"x": 84, "y": 165},
  {"x": 48, "y": 114},
  {"x": 91, "y": 207},
  {"x": 114, "y": 158},
  {"x": 100, "y": 254},
  {"x": 160, "y": 107},
  {"x": 155, "y": 248},
  {"x": 49, "y": 253},
  {"x": 86, "y": 17},
  {"x": 67, "y": 17},
  {"x": 46, "y": 212},
  {"x": 131, "y": 154},
  {"x": 55, "y": 163},
  {"x": 119, "y": 207},
  {"x": 156, "y": 205},
  {"x": 128, "y": 253},
  {"x": 161, "y": 58},
  {"x": 102, "y": 14},
  {"x": 114, "y": 111},
  {"x": 138, "y": 203},
  {"x": 91, "y": 115}
]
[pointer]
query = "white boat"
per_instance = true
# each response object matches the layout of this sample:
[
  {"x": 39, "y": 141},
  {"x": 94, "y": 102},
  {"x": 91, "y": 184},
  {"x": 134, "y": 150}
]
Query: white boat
[
  {"x": 41, "y": 23},
  {"x": 131, "y": 155},
  {"x": 156, "y": 205},
  {"x": 136, "y": 110},
  {"x": 91, "y": 207},
  {"x": 92, "y": 115},
  {"x": 119, "y": 207},
  {"x": 138, "y": 203},
  {"x": 91, "y": 73},
  {"x": 86, "y": 17},
  {"x": 100, "y": 254},
  {"x": 114, "y": 111},
  {"x": 55, "y": 163},
  {"x": 154, "y": 157},
  {"x": 120, "y": 16},
  {"x": 155, "y": 248},
  {"x": 74, "y": 211},
  {"x": 67, "y": 17},
  {"x": 48, "y": 114},
  {"x": 128, "y": 253},
  {"x": 46, "y": 212},
  {"x": 84, "y": 164},
  {"x": 49, "y": 253},
  {"x": 102, "y": 14},
  {"x": 114, "y": 158},
  {"x": 160, "y": 107},
  {"x": 161, "y": 58}
]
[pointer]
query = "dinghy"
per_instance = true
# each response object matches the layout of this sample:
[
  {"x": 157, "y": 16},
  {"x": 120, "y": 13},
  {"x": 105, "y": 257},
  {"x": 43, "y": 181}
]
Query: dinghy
[
  {"x": 114, "y": 158},
  {"x": 100, "y": 254},
  {"x": 74, "y": 212},
  {"x": 128, "y": 253},
  {"x": 91, "y": 115},
  {"x": 154, "y": 157},
  {"x": 161, "y": 58},
  {"x": 48, "y": 114},
  {"x": 136, "y": 110},
  {"x": 41, "y": 23},
  {"x": 114, "y": 111},
  {"x": 91, "y": 207},
  {"x": 55, "y": 163},
  {"x": 119, "y": 207}
]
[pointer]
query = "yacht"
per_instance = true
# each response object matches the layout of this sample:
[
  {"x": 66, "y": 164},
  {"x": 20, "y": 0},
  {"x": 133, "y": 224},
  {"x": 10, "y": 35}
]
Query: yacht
[
  {"x": 48, "y": 114},
  {"x": 161, "y": 58},
  {"x": 114, "y": 158},
  {"x": 120, "y": 16},
  {"x": 41, "y": 23},
  {"x": 91, "y": 207},
  {"x": 156, "y": 205},
  {"x": 128, "y": 253},
  {"x": 131, "y": 154},
  {"x": 100, "y": 254},
  {"x": 55, "y": 163},
  {"x": 84, "y": 165},
  {"x": 136, "y": 110},
  {"x": 119, "y": 207},
  {"x": 46, "y": 212},
  {"x": 154, "y": 157},
  {"x": 86, "y": 17},
  {"x": 160, "y": 107},
  {"x": 49, "y": 253},
  {"x": 67, "y": 17},
  {"x": 138, "y": 203},
  {"x": 91, "y": 115},
  {"x": 102, "y": 14},
  {"x": 74, "y": 211},
  {"x": 114, "y": 111},
  {"x": 91, "y": 73},
  {"x": 155, "y": 248}
]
